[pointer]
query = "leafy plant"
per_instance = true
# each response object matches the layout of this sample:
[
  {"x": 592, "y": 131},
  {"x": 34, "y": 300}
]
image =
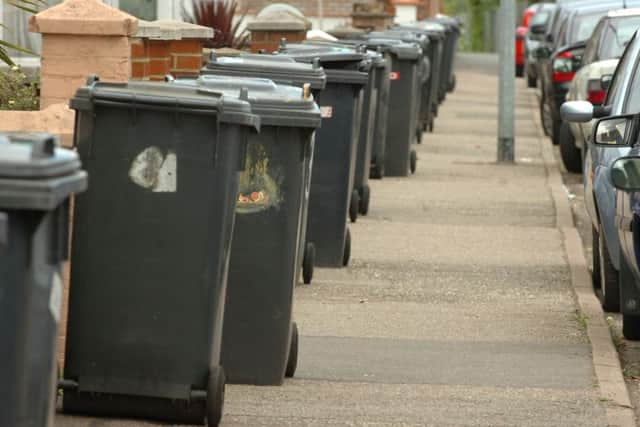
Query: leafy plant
[
  {"x": 17, "y": 91},
  {"x": 30, "y": 6},
  {"x": 218, "y": 15}
]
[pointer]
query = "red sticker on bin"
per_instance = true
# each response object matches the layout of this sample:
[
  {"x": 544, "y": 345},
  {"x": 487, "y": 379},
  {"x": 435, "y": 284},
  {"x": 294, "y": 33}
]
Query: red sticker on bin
[
  {"x": 326, "y": 112},
  {"x": 394, "y": 75}
]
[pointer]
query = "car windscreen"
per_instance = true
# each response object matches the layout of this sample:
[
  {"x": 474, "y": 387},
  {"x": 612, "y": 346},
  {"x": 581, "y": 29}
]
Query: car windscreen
[
  {"x": 617, "y": 33},
  {"x": 583, "y": 26},
  {"x": 540, "y": 18}
]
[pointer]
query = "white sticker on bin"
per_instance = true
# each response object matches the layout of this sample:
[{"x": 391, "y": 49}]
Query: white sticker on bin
[
  {"x": 326, "y": 112},
  {"x": 55, "y": 297},
  {"x": 155, "y": 171}
]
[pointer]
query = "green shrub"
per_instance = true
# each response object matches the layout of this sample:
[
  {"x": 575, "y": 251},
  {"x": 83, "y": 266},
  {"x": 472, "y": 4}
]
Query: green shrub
[{"x": 17, "y": 91}]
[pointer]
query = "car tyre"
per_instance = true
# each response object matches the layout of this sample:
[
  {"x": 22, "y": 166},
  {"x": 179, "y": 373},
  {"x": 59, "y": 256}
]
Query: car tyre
[
  {"x": 606, "y": 285},
  {"x": 571, "y": 155},
  {"x": 543, "y": 121}
]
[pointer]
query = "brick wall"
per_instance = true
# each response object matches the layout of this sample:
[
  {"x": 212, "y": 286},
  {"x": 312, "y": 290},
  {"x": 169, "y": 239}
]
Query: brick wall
[{"x": 154, "y": 59}]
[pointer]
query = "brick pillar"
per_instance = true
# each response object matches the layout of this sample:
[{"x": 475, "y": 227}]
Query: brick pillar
[
  {"x": 166, "y": 47},
  {"x": 371, "y": 17},
  {"x": 81, "y": 37},
  {"x": 269, "y": 30}
]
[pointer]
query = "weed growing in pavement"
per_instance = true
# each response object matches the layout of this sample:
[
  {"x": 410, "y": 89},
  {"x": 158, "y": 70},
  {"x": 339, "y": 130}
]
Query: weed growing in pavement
[{"x": 581, "y": 319}]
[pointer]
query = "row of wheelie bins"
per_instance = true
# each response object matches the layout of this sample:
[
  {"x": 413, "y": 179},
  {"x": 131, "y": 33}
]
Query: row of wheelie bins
[{"x": 190, "y": 209}]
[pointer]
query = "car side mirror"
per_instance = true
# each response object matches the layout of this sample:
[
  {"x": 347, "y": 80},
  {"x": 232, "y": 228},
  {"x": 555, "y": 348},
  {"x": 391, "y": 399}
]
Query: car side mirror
[
  {"x": 577, "y": 111},
  {"x": 537, "y": 29},
  {"x": 613, "y": 131},
  {"x": 625, "y": 174},
  {"x": 605, "y": 81}
]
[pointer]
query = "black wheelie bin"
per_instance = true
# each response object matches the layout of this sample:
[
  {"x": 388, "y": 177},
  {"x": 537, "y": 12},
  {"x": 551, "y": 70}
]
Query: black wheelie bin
[
  {"x": 260, "y": 341},
  {"x": 281, "y": 70},
  {"x": 36, "y": 181},
  {"x": 150, "y": 249},
  {"x": 424, "y": 87},
  {"x": 331, "y": 196},
  {"x": 404, "y": 101},
  {"x": 436, "y": 34}
]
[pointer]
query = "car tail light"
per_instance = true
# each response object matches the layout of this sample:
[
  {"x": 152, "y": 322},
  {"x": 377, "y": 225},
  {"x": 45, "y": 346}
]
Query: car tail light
[
  {"x": 595, "y": 92},
  {"x": 565, "y": 65}
]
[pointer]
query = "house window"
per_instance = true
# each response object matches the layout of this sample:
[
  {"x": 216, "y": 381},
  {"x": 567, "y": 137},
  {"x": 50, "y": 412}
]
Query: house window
[{"x": 143, "y": 9}]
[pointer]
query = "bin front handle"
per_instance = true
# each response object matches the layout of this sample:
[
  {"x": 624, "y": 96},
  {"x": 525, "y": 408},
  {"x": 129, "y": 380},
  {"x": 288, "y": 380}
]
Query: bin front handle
[{"x": 4, "y": 232}]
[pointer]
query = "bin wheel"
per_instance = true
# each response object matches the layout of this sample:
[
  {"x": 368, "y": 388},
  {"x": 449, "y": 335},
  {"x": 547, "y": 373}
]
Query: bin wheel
[
  {"x": 215, "y": 395},
  {"x": 452, "y": 85},
  {"x": 413, "y": 162},
  {"x": 364, "y": 200},
  {"x": 308, "y": 262},
  {"x": 347, "y": 249},
  {"x": 430, "y": 127},
  {"x": 292, "y": 361},
  {"x": 419, "y": 136},
  {"x": 377, "y": 170},
  {"x": 354, "y": 205}
]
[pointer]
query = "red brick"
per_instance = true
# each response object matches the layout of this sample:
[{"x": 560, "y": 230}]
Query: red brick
[
  {"x": 186, "y": 46},
  {"x": 159, "y": 66},
  {"x": 138, "y": 49},
  {"x": 139, "y": 69},
  {"x": 158, "y": 49},
  {"x": 189, "y": 62}
]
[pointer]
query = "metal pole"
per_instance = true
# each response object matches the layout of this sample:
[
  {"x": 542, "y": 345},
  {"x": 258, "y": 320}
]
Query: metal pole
[{"x": 506, "y": 90}]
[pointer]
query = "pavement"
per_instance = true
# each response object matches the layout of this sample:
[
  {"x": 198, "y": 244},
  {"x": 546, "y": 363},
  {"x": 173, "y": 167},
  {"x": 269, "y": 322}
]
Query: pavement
[{"x": 459, "y": 307}]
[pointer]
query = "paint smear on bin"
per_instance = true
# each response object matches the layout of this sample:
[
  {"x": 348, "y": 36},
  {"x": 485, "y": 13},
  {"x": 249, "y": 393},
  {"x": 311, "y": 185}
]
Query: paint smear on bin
[{"x": 155, "y": 171}]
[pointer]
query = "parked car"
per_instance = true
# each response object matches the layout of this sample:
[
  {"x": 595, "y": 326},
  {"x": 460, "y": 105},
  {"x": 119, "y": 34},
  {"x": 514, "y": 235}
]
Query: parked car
[
  {"x": 535, "y": 36},
  {"x": 574, "y": 27},
  {"x": 599, "y": 61},
  {"x": 614, "y": 288},
  {"x": 521, "y": 33}
]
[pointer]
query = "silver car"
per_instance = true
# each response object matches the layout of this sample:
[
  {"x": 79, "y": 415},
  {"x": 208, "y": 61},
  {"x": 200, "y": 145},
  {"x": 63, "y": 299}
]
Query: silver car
[{"x": 623, "y": 97}]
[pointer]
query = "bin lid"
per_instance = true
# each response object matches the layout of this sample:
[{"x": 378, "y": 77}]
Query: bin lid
[
  {"x": 375, "y": 58},
  {"x": 279, "y": 68},
  {"x": 159, "y": 95},
  {"x": 404, "y": 35},
  {"x": 434, "y": 30},
  {"x": 276, "y": 104},
  {"x": 402, "y": 50},
  {"x": 35, "y": 173},
  {"x": 342, "y": 64}
]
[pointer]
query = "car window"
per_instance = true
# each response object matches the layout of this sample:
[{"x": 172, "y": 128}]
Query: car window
[
  {"x": 617, "y": 34},
  {"x": 632, "y": 103},
  {"x": 616, "y": 83},
  {"x": 560, "y": 40},
  {"x": 591, "y": 50},
  {"x": 584, "y": 25}
]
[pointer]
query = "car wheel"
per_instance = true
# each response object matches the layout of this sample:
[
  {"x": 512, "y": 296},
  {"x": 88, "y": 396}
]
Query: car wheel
[
  {"x": 571, "y": 155},
  {"x": 608, "y": 287},
  {"x": 545, "y": 119}
]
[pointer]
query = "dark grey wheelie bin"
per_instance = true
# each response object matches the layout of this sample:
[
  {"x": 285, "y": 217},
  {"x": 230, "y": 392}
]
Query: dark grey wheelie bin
[
  {"x": 453, "y": 27},
  {"x": 436, "y": 34},
  {"x": 36, "y": 181},
  {"x": 404, "y": 101},
  {"x": 260, "y": 341},
  {"x": 370, "y": 106},
  {"x": 424, "y": 70},
  {"x": 331, "y": 194},
  {"x": 283, "y": 70},
  {"x": 150, "y": 249}
]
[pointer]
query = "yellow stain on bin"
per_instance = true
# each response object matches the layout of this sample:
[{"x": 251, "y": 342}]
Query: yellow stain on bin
[{"x": 258, "y": 190}]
